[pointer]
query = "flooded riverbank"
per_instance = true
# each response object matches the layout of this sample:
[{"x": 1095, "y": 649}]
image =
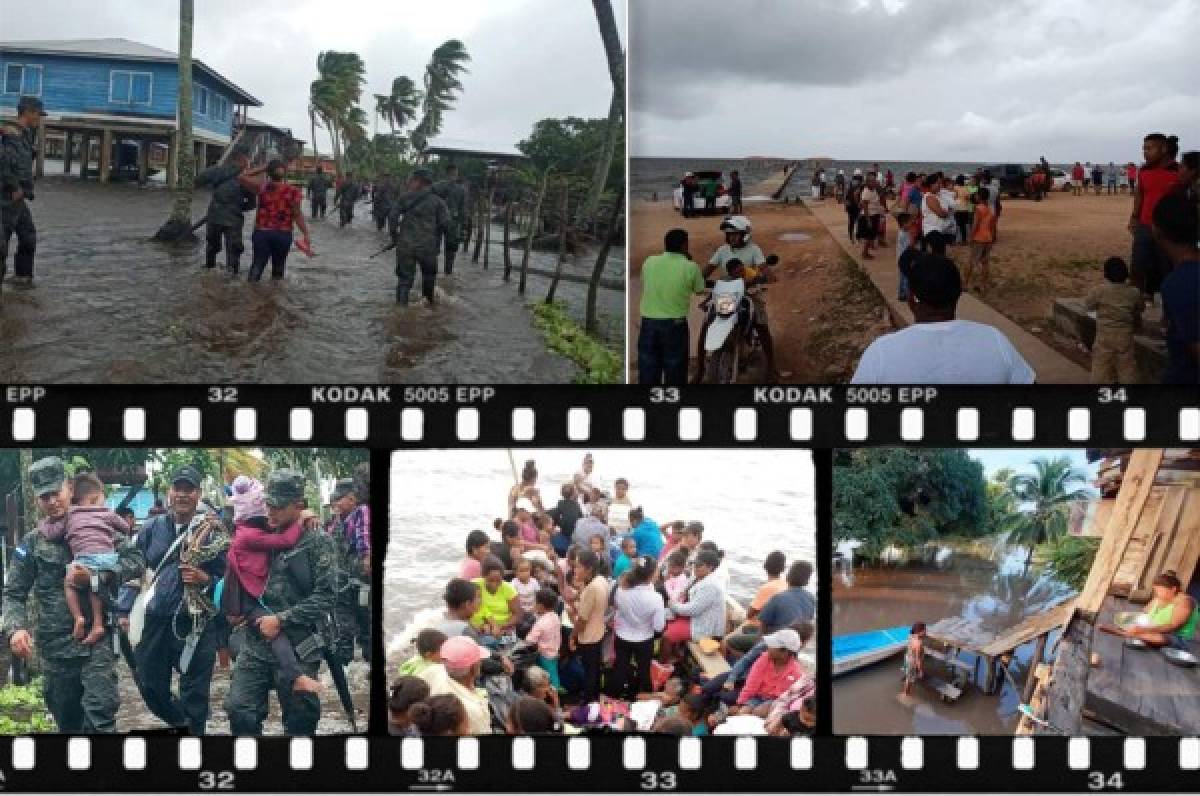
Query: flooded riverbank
[
  {"x": 111, "y": 306},
  {"x": 995, "y": 594}
]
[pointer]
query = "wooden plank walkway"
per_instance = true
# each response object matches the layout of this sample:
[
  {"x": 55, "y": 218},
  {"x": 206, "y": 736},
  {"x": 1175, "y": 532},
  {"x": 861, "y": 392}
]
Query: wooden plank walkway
[
  {"x": 1139, "y": 691},
  {"x": 969, "y": 634},
  {"x": 1050, "y": 366}
]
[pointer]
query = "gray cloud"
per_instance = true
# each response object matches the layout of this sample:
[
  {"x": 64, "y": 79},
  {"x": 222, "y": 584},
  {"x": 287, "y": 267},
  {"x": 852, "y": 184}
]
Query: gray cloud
[
  {"x": 531, "y": 59},
  {"x": 912, "y": 79}
]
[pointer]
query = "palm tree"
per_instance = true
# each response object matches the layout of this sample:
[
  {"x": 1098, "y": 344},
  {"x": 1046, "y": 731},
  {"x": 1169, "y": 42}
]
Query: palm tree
[
  {"x": 399, "y": 109},
  {"x": 442, "y": 87},
  {"x": 335, "y": 95},
  {"x": 1044, "y": 499},
  {"x": 616, "y": 111},
  {"x": 179, "y": 225}
]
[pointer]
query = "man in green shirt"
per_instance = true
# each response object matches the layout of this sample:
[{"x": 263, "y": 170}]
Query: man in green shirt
[{"x": 669, "y": 281}]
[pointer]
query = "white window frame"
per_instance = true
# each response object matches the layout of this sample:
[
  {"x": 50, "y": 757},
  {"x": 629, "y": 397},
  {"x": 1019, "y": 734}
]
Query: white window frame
[
  {"x": 21, "y": 82},
  {"x": 196, "y": 89},
  {"x": 128, "y": 99}
]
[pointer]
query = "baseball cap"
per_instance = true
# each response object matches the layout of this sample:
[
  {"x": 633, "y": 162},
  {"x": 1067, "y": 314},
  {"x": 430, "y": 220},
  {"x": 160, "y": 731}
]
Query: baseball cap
[
  {"x": 187, "y": 474},
  {"x": 47, "y": 475},
  {"x": 934, "y": 280},
  {"x": 284, "y": 487},
  {"x": 460, "y": 653},
  {"x": 783, "y": 639},
  {"x": 423, "y": 173},
  {"x": 30, "y": 104}
]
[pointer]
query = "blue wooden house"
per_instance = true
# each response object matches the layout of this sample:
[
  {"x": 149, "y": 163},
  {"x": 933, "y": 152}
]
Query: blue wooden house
[{"x": 123, "y": 95}]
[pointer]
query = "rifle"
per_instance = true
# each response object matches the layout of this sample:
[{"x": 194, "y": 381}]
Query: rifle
[
  {"x": 384, "y": 250},
  {"x": 343, "y": 687}
]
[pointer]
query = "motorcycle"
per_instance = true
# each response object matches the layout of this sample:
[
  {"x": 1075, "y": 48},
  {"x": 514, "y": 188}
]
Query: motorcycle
[{"x": 731, "y": 340}]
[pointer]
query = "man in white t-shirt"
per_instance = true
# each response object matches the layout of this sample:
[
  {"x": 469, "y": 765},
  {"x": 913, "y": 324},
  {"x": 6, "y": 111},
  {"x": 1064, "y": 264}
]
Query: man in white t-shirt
[
  {"x": 937, "y": 349},
  {"x": 738, "y": 246}
]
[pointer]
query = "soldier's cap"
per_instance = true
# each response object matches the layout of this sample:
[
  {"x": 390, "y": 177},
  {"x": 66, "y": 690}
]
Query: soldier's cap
[
  {"x": 422, "y": 174},
  {"x": 30, "y": 104},
  {"x": 187, "y": 475},
  {"x": 344, "y": 486},
  {"x": 47, "y": 475},
  {"x": 284, "y": 487}
]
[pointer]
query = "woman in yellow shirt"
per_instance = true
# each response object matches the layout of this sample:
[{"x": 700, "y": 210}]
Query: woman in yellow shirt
[{"x": 499, "y": 606}]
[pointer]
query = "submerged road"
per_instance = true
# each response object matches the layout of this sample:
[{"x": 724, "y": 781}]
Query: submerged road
[{"x": 112, "y": 306}]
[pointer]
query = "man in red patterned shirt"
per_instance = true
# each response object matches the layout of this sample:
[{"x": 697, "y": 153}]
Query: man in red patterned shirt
[{"x": 280, "y": 207}]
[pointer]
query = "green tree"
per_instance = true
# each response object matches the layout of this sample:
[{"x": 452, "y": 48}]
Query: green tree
[
  {"x": 179, "y": 224},
  {"x": 334, "y": 97},
  {"x": 1044, "y": 499},
  {"x": 399, "y": 108},
  {"x": 442, "y": 86},
  {"x": 906, "y": 496}
]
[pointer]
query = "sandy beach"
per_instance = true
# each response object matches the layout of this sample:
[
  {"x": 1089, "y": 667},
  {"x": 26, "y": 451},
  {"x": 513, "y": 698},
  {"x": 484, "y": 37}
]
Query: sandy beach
[{"x": 823, "y": 312}]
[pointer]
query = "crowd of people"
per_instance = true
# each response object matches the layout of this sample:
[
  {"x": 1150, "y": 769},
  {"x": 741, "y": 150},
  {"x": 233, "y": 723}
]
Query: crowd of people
[
  {"x": 257, "y": 585},
  {"x": 936, "y": 212},
  {"x": 587, "y": 614}
]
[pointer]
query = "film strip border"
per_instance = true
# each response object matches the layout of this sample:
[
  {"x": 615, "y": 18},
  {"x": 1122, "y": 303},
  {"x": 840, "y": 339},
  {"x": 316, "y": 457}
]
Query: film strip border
[
  {"x": 479, "y": 416},
  {"x": 598, "y": 763}
]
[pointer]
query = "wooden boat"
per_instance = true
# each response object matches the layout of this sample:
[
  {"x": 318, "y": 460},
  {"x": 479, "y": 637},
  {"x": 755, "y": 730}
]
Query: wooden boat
[{"x": 854, "y": 651}]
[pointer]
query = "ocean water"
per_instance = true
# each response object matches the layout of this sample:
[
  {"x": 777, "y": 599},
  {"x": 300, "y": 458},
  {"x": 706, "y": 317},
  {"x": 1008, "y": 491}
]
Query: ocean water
[{"x": 751, "y": 502}]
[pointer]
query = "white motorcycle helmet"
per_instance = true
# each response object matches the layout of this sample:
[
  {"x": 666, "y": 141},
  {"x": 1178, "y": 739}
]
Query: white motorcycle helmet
[{"x": 738, "y": 224}]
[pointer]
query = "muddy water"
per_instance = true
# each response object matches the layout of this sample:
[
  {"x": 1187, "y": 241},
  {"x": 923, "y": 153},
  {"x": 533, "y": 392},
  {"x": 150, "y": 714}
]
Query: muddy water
[
  {"x": 133, "y": 715},
  {"x": 867, "y": 702},
  {"x": 438, "y": 496},
  {"x": 112, "y": 306}
]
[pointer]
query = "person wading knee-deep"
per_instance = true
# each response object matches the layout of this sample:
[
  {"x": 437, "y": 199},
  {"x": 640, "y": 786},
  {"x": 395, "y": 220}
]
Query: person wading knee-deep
[
  {"x": 279, "y": 209},
  {"x": 79, "y": 680},
  {"x": 299, "y": 597},
  {"x": 16, "y": 190},
  {"x": 453, "y": 193},
  {"x": 419, "y": 220},
  {"x": 168, "y": 541},
  {"x": 226, "y": 210},
  {"x": 318, "y": 193}
]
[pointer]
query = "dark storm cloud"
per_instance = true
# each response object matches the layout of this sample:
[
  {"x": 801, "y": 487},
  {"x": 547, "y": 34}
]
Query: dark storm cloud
[{"x": 912, "y": 79}]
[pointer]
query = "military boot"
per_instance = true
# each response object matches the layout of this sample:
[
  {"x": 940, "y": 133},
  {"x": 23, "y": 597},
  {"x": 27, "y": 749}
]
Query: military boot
[{"x": 402, "y": 296}]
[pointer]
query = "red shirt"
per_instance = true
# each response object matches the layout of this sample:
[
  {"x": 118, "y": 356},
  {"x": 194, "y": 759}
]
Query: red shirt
[
  {"x": 1155, "y": 183},
  {"x": 276, "y": 207},
  {"x": 1131, "y": 172},
  {"x": 765, "y": 681},
  {"x": 1077, "y": 172}
]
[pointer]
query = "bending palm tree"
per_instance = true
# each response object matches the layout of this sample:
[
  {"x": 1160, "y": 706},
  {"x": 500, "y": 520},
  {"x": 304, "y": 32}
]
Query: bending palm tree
[
  {"x": 336, "y": 93},
  {"x": 1048, "y": 493},
  {"x": 179, "y": 225},
  {"x": 399, "y": 109},
  {"x": 442, "y": 86}
]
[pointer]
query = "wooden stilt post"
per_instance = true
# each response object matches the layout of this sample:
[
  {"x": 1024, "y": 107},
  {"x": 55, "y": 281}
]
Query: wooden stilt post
[
  {"x": 40, "y": 166},
  {"x": 143, "y": 161},
  {"x": 1031, "y": 679},
  {"x": 67, "y": 153},
  {"x": 106, "y": 143},
  {"x": 85, "y": 153}
]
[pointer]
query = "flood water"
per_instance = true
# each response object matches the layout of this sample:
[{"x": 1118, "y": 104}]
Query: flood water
[
  {"x": 134, "y": 716},
  {"x": 111, "y": 306},
  {"x": 995, "y": 593},
  {"x": 437, "y": 497}
]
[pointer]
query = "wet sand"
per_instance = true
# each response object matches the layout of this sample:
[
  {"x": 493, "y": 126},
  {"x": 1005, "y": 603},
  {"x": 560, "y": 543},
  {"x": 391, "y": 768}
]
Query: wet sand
[
  {"x": 822, "y": 314},
  {"x": 868, "y": 701},
  {"x": 111, "y": 306}
]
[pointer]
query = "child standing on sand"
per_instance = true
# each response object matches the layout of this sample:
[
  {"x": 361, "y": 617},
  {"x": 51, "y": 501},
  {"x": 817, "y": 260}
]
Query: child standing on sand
[
  {"x": 983, "y": 235},
  {"x": 914, "y": 658}
]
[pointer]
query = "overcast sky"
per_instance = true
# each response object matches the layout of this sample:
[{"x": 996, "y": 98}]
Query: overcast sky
[
  {"x": 531, "y": 59},
  {"x": 939, "y": 80}
]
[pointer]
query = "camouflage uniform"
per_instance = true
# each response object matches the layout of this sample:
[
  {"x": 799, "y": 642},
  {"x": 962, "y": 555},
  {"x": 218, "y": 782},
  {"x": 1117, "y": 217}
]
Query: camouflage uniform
[
  {"x": 344, "y": 198},
  {"x": 382, "y": 203},
  {"x": 225, "y": 215},
  {"x": 80, "y": 681},
  {"x": 16, "y": 173},
  {"x": 419, "y": 219},
  {"x": 1118, "y": 309},
  {"x": 352, "y": 621},
  {"x": 300, "y": 591},
  {"x": 318, "y": 194},
  {"x": 454, "y": 194}
]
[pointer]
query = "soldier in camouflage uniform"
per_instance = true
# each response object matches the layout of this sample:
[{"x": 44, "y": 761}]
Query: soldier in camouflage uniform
[
  {"x": 419, "y": 220},
  {"x": 16, "y": 190},
  {"x": 318, "y": 193},
  {"x": 381, "y": 207},
  {"x": 350, "y": 529},
  {"x": 225, "y": 211},
  {"x": 300, "y": 595},
  {"x": 345, "y": 197},
  {"x": 80, "y": 680},
  {"x": 454, "y": 194}
]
